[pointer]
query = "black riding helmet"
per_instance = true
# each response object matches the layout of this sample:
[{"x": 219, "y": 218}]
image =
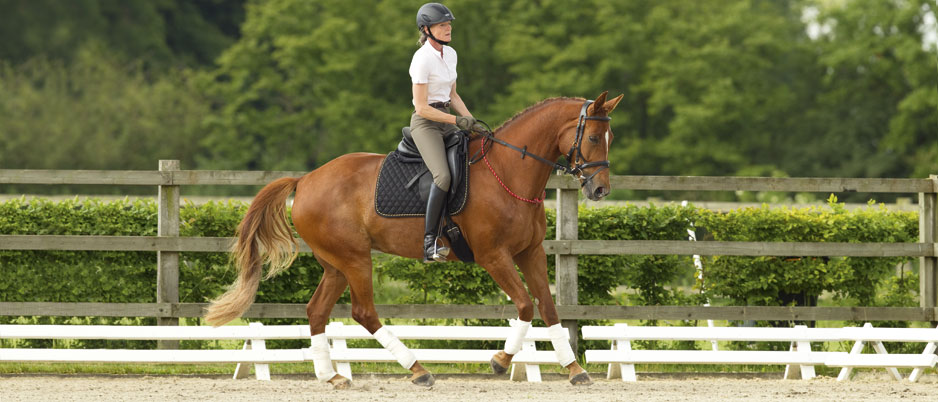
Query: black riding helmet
[{"x": 433, "y": 13}]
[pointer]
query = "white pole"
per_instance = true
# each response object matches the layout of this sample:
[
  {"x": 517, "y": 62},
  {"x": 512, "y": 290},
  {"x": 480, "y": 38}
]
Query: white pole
[{"x": 698, "y": 265}]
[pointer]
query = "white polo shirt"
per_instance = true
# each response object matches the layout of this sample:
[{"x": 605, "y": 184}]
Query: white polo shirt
[{"x": 439, "y": 73}]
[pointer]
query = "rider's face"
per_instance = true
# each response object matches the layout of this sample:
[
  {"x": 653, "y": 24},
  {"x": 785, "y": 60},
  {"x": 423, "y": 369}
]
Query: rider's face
[{"x": 442, "y": 31}]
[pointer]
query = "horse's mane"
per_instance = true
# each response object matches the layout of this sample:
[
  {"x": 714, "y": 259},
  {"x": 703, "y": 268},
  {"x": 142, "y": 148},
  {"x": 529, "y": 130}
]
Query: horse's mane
[{"x": 534, "y": 107}]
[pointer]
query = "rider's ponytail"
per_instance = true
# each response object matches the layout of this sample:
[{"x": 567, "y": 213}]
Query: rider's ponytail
[{"x": 423, "y": 38}]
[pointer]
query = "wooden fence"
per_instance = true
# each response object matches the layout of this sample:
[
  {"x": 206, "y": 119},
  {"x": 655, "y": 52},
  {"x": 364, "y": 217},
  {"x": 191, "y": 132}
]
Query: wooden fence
[{"x": 168, "y": 245}]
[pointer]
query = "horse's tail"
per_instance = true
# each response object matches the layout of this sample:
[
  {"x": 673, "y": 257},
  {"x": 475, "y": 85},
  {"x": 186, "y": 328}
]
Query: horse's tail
[{"x": 265, "y": 223}]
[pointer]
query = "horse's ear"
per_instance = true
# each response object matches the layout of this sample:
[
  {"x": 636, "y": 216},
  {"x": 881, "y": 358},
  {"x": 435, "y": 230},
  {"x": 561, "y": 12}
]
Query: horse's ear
[
  {"x": 597, "y": 104},
  {"x": 611, "y": 104}
]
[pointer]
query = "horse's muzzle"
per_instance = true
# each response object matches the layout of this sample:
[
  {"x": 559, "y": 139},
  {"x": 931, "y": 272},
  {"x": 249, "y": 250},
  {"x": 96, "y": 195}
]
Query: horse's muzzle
[{"x": 594, "y": 192}]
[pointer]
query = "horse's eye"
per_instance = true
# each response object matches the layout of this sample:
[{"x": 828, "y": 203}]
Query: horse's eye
[{"x": 594, "y": 139}]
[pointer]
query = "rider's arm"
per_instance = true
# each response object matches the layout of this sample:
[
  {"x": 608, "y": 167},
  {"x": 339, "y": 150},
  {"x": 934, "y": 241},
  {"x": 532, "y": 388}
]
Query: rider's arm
[
  {"x": 425, "y": 110},
  {"x": 457, "y": 104}
]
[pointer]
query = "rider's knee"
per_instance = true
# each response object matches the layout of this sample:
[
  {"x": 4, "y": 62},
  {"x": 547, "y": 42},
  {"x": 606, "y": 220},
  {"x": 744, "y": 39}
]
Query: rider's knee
[{"x": 442, "y": 180}]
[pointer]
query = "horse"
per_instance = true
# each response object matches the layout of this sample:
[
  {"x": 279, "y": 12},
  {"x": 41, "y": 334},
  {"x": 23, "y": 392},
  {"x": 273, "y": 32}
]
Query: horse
[{"x": 503, "y": 221}]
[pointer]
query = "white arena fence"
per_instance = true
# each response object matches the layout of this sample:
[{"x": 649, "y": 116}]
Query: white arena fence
[
  {"x": 255, "y": 352},
  {"x": 622, "y": 358}
]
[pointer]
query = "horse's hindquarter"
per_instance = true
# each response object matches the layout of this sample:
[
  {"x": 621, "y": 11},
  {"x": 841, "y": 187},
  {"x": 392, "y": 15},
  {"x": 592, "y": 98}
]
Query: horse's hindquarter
[{"x": 332, "y": 203}]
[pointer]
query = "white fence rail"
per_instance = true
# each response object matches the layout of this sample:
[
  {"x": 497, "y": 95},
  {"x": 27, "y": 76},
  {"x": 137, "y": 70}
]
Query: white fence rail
[
  {"x": 255, "y": 351},
  {"x": 622, "y": 359},
  {"x": 525, "y": 365}
]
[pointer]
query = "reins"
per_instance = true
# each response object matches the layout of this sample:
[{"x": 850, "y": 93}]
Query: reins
[{"x": 570, "y": 168}]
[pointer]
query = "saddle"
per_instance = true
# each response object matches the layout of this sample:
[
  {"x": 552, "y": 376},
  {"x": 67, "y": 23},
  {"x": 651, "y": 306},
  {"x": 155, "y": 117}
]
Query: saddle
[{"x": 404, "y": 182}]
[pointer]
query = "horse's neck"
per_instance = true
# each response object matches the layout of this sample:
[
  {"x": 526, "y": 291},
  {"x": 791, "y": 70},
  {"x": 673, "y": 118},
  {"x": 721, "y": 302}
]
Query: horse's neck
[{"x": 538, "y": 131}]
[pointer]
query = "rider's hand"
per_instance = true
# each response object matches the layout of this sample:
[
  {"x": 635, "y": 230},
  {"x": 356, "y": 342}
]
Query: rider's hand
[
  {"x": 479, "y": 128},
  {"x": 466, "y": 122}
]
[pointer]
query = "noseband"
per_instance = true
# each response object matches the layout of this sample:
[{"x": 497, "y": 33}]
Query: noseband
[{"x": 573, "y": 157}]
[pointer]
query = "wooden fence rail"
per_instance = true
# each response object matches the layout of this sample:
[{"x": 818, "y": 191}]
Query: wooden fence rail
[{"x": 566, "y": 247}]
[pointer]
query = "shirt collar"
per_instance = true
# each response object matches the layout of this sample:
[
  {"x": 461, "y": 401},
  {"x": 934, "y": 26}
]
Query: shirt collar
[{"x": 430, "y": 48}]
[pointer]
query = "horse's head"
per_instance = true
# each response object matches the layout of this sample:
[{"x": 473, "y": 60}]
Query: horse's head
[{"x": 586, "y": 143}]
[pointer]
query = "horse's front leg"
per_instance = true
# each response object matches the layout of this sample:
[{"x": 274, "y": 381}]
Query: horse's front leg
[
  {"x": 533, "y": 264},
  {"x": 502, "y": 269}
]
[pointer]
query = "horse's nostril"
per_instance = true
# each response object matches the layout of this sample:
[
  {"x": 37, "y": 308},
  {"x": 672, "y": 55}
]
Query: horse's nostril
[{"x": 600, "y": 192}]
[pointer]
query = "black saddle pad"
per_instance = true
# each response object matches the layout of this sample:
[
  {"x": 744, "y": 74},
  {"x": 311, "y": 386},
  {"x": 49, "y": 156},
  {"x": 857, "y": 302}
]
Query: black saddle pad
[{"x": 403, "y": 185}]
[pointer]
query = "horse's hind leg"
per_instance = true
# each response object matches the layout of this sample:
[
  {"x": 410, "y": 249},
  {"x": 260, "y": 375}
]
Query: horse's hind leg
[
  {"x": 363, "y": 311},
  {"x": 330, "y": 288},
  {"x": 533, "y": 264}
]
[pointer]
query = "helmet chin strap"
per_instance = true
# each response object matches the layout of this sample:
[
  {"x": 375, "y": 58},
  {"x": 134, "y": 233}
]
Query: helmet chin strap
[{"x": 434, "y": 38}]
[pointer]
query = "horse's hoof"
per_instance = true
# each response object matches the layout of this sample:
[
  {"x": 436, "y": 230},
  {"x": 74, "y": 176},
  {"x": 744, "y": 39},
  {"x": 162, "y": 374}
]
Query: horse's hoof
[
  {"x": 425, "y": 380},
  {"x": 581, "y": 379},
  {"x": 341, "y": 383},
  {"x": 497, "y": 368}
]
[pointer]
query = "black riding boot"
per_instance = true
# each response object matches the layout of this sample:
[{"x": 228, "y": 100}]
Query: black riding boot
[{"x": 435, "y": 204}]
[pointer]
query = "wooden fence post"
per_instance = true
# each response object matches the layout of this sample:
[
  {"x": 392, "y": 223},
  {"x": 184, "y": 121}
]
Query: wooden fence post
[
  {"x": 927, "y": 226},
  {"x": 566, "y": 265},
  {"x": 167, "y": 262}
]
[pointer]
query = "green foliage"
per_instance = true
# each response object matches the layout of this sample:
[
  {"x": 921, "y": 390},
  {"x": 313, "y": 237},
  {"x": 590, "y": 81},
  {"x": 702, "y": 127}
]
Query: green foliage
[
  {"x": 130, "y": 277},
  {"x": 879, "y": 91},
  {"x": 650, "y": 275},
  {"x": 728, "y": 87},
  {"x": 95, "y": 113},
  {"x": 760, "y": 280},
  {"x": 127, "y": 277},
  {"x": 448, "y": 283},
  {"x": 160, "y": 33}
]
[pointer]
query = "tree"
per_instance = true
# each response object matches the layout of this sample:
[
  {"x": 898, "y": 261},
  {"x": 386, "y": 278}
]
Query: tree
[
  {"x": 879, "y": 95},
  {"x": 160, "y": 33},
  {"x": 310, "y": 81},
  {"x": 95, "y": 113}
]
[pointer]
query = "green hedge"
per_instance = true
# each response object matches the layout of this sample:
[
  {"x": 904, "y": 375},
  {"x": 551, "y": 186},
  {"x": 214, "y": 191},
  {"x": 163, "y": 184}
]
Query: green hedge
[
  {"x": 130, "y": 277},
  {"x": 760, "y": 280}
]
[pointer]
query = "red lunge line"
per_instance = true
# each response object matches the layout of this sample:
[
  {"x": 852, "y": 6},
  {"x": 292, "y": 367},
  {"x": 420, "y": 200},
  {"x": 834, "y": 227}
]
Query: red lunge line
[{"x": 486, "y": 159}]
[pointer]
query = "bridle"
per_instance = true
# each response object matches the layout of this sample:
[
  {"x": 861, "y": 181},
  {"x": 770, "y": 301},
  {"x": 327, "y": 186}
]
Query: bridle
[
  {"x": 574, "y": 165},
  {"x": 577, "y": 169}
]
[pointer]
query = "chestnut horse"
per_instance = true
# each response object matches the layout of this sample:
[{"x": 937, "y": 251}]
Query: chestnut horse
[{"x": 503, "y": 222}]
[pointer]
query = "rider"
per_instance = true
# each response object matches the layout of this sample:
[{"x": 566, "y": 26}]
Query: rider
[{"x": 433, "y": 73}]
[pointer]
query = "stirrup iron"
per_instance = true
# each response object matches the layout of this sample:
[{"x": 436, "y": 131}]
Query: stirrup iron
[{"x": 439, "y": 252}]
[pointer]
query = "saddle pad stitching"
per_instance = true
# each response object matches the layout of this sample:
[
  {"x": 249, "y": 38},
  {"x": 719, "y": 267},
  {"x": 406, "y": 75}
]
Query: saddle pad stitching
[{"x": 458, "y": 210}]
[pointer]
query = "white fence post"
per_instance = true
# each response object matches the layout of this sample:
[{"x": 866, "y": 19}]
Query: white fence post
[
  {"x": 261, "y": 370},
  {"x": 917, "y": 372}
]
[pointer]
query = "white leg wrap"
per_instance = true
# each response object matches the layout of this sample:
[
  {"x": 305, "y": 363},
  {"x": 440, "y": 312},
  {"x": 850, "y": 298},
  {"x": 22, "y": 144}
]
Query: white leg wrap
[
  {"x": 560, "y": 338},
  {"x": 322, "y": 363},
  {"x": 518, "y": 330},
  {"x": 400, "y": 352}
]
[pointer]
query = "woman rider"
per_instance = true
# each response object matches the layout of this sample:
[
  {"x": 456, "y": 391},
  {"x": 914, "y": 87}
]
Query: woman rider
[{"x": 433, "y": 74}]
